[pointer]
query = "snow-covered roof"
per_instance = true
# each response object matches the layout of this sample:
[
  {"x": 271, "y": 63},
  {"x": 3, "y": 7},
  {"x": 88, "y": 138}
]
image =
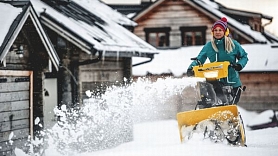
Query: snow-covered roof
[
  {"x": 8, "y": 14},
  {"x": 245, "y": 29},
  {"x": 104, "y": 11},
  {"x": 262, "y": 58},
  {"x": 90, "y": 24},
  {"x": 12, "y": 20}
]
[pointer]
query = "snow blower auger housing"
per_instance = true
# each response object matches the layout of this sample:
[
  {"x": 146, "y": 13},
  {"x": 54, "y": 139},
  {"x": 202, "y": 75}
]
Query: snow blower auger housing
[{"x": 215, "y": 114}]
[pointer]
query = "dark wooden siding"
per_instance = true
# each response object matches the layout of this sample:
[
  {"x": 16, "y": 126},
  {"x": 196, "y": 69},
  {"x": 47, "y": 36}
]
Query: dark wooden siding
[{"x": 261, "y": 91}]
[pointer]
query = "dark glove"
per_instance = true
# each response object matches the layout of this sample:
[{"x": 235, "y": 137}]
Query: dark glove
[
  {"x": 237, "y": 67},
  {"x": 190, "y": 72}
]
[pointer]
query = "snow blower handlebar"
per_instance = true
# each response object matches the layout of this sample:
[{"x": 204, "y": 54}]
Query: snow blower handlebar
[
  {"x": 212, "y": 71},
  {"x": 198, "y": 61}
]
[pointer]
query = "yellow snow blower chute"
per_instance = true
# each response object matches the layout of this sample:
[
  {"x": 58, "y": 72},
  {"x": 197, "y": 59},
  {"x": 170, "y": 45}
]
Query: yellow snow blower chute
[{"x": 215, "y": 114}]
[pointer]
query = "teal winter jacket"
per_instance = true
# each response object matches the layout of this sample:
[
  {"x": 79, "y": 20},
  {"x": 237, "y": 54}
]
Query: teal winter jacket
[{"x": 237, "y": 56}]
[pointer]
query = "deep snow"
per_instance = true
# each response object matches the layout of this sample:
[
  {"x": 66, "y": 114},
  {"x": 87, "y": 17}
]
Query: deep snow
[
  {"x": 155, "y": 131},
  {"x": 161, "y": 139}
]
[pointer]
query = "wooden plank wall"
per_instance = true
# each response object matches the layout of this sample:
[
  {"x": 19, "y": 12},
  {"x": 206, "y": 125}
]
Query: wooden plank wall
[
  {"x": 261, "y": 91},
  {"x": 14, "y": 110},
  {"x": 104, "y": 73},
  {"x": 174, "y": 14}
]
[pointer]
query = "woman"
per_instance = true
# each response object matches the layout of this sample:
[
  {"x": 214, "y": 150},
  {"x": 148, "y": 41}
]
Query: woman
[{"x": 223, "y": 48}]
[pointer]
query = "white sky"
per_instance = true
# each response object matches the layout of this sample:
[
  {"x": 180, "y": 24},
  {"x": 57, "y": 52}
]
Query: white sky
[{"x": 267, "y": 7}]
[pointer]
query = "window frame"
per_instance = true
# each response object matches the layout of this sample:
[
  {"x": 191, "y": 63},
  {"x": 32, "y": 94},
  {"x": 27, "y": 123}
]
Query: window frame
[
  {"x": 193, "y": 29},
  {"x": 157, "y": 30}
]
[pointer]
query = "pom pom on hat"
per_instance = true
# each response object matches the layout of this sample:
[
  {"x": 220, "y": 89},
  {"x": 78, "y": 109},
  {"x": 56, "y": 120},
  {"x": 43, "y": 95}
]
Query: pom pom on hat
[
  {"x": 223, "y": 24},
  {"x": 224, "y": 19}
]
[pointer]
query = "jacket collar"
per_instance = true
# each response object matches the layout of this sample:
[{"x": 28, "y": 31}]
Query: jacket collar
[{"x": 219, "y": 41}]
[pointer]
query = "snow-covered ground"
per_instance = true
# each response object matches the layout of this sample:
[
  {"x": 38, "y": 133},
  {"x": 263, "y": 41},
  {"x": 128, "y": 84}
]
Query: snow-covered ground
[
  {"x": 154, "y": 137},
  {"x": 161, "y": 139}
]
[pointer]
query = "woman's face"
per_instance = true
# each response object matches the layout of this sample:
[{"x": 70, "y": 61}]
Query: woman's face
[{"x": 218, "y": 33}]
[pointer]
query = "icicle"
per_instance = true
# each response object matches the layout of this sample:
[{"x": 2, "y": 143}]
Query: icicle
[
  {"x": 118, "y": 57},
  {"x": 103, "y": 57}
]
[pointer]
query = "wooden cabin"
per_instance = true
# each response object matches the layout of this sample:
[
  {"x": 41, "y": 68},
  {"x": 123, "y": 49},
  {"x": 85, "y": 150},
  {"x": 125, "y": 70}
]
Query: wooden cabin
[
  {"x": 26, "y": 53},
  {"x": 51, "y": 53},
  {"x": 95, "y": 50},
  {"x": 92, "y": 54},
  {"x": 178, "y": 23}
]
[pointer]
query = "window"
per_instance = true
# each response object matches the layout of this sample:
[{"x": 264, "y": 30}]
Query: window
[
  {"x": 158, "y": 37},
  {"x": 193, "y": 35}
]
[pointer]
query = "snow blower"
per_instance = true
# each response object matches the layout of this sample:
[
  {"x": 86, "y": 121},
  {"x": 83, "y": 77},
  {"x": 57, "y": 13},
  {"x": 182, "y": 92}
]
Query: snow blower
[{"x": 215, "y": 116}]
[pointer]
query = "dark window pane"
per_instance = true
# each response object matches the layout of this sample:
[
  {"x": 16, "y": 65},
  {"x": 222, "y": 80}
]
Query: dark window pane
[
  {"x": 193, "y": 38},
  {"x": 152, "y": 39},
  {"x": 198, "y": 38},
  {"x": 188, "y": 38},
  {"x": 162, "y": 40},
  {"x": 157, "y": 39}
]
